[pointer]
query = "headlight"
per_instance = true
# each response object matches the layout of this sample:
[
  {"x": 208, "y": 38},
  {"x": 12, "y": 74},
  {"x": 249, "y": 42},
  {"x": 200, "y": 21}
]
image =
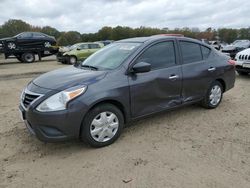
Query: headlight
[{"x": 59, "y": 100}]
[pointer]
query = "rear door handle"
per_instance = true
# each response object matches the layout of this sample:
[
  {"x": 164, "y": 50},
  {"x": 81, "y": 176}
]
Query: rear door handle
[
  {"x": 211, "y": 69},
  {"x": 173, "y": 77}
]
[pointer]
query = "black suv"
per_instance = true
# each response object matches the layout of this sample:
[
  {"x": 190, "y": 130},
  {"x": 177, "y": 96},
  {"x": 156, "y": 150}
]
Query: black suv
[
  {"x": 124, "y": 81},
  {"x": 25, "y": 45}
]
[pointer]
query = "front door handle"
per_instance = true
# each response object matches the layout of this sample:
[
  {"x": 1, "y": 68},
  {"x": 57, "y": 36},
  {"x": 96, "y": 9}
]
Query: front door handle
[
  {"x": 173, "y": 77},
  {"x": 211, "y": 69}
]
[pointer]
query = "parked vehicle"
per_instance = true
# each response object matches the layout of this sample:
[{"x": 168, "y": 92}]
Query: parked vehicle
[
  {"x": 78, "y": 52},
  {"x": 205, "y": 41},
  {"x": 105, "y": 42},
  {"x": 216, "y": 44},
  {"x": 124, "y": 81},
  {"x": 236, "y": 47},
  {"x": 26, "y": 45},
  {"x": 243, "y": 62}
]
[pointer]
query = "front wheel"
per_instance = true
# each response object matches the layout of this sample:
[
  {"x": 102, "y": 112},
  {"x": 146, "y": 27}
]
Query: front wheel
[
  {"x": 214, "y": 96},
  {"x": 102, "y": 125},
  {"x": 72, "y": 60}
]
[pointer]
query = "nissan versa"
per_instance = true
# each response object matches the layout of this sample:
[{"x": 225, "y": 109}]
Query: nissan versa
[{"x": 124, "y": 81}]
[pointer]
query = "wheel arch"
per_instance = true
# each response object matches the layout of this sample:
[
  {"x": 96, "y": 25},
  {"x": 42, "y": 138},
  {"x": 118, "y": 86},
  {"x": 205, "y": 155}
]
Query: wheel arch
[
  {"x": 222, "y": 82},
  {"x": 116, "y": 103}
]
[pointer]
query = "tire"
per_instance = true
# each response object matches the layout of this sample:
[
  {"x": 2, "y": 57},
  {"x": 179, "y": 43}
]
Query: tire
[
  {"x": 212, "y": 100},
  {"x": 98, "y": 131},
  {"x": 72, "y": 60},
  {"x": 28, "y": 57},
  {"x": 242, "y": 73},
  {"x": 19, "y": 58},
  {"x": 11, "y": 45}
]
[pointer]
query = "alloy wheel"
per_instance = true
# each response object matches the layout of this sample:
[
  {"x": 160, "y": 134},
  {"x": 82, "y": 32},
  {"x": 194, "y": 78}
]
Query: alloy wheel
[{"x": 215, "y": 95}]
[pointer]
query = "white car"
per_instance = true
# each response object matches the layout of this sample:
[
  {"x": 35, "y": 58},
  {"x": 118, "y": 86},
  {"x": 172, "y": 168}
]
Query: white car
[{"x": 243, "y": 62}]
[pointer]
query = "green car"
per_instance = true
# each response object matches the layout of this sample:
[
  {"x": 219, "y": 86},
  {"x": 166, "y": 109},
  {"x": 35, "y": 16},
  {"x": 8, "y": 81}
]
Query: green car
[{"x": 79, "y": 52}]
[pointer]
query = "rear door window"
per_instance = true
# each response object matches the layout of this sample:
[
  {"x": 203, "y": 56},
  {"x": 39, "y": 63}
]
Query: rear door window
[{"x": 191, "y": 52}]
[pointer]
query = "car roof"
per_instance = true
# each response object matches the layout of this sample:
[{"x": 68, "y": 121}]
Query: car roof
[{"x": 159, "y": 37}]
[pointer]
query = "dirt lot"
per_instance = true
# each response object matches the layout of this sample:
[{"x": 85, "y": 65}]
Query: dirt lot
[{"x": 188, "y": 147}]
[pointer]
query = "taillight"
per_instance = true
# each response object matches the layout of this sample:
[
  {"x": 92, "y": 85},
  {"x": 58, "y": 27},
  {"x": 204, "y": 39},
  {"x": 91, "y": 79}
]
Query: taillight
[{"x": 231, "y": 62}]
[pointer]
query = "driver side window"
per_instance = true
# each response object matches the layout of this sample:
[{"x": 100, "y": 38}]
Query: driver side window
[{"x": 160, "y": 55}]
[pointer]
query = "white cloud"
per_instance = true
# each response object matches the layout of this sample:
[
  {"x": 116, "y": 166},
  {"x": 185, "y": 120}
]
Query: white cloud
[{"x": 90, "y": 15}]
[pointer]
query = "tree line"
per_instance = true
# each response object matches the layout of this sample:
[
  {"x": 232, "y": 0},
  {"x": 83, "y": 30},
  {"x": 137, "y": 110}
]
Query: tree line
[{"x": 13, "y": 27}]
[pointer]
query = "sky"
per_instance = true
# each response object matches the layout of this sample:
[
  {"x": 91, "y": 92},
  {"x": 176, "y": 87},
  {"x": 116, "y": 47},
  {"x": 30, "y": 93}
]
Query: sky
[{"x": 88, "y": 16}]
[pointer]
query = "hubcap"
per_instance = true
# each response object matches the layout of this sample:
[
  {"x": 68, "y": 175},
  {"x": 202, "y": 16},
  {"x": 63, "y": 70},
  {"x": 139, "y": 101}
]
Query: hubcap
[
  {"x": 11, "y": 45},
  {"x": 29, "y": 58},
  {"x": 47, "y": 44},
  {"x": 104, "y": 126},
  {"x": 72, "y": 60},
  {"x": 215, "y": 95}
]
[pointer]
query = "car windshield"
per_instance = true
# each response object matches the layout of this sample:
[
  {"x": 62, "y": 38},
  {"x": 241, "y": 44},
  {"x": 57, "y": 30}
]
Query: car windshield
[
  {"x": 241, "y": 43},
  {"x": 111, "y": 56},
  {"x": 74, "y": 46}
]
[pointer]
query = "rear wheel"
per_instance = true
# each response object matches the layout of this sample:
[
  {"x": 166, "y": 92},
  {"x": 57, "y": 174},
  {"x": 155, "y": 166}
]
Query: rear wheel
[
  {"x": 242, "y": 73},
  {"x": 213, "y": 96},
  {"x": 28, "y": 57},
  {"x": 47, "y": 44},
  {"x": 102, "y": 125},
  {"x": 19, "y": 58}
]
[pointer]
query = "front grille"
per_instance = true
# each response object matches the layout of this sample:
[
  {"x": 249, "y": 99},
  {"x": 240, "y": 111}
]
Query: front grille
[
  {"x": 244, "y": 57},
  {"x": 28, "y": 98}
]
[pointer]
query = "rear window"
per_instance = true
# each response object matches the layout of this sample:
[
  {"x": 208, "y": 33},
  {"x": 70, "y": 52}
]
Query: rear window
[{"x": 191, "y": 52}]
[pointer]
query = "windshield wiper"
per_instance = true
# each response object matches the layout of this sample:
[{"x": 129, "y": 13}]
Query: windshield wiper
[{"x": 89, "y": 66}]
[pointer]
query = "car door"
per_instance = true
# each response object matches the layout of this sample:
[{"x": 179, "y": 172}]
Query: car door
[
  {"x": 197, "y": 71},
  {"x": 160, "y": 88},
  {"x": 83, "y": 51},
  {"x": 25, "y": 39}
]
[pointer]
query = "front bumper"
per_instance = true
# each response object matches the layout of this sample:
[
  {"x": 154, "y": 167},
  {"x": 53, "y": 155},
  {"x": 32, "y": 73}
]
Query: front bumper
[
  {"x": 54, "y": 126},
  {"x": 242, "y": 66},
  {"x": 62, "y": 59}
]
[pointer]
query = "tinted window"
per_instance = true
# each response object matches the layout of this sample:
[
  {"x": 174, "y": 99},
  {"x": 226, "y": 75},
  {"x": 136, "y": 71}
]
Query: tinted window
[
  {"x": 94, "y": 46},
  {"x": 38, "y": 35},
  {"x": 205, "y": 52},
  {"x": 25, "y": 35},
  {"x": 159, "y": 55},
  {"x": 191, "y": 52}
]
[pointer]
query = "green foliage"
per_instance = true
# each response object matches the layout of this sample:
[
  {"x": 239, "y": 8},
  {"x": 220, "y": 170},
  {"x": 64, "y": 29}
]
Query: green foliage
[{"x": 13, "y": 27}]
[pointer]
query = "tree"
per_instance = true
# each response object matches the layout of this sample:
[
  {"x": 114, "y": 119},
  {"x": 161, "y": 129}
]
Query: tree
[
  {"x": 69, "y": 38},
  {"x": 51, "y": 31},
  {"x": 13, "y": 27}
]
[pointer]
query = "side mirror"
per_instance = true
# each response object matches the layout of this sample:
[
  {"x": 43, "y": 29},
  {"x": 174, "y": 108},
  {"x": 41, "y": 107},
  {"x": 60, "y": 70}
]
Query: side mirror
[{"x": 141, "y": 67}]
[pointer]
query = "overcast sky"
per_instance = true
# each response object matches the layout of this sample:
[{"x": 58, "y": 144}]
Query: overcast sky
[{"x": 91, "y": 15}]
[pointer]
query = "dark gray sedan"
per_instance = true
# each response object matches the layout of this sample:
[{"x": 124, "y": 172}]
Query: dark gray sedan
[{"x": 126, "y": 80}]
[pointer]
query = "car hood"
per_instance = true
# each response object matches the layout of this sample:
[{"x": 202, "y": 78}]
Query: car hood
[
  {"x": 244, "y": 52},
  {"x": 229, "y": 47},
  {"x": 63, "y": 78},
  {"x": 7, "y": 38}
]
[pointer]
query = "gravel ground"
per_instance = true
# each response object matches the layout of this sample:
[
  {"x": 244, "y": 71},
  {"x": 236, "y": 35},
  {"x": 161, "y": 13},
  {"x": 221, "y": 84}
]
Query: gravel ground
[{"x": 188, "y": 147}]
